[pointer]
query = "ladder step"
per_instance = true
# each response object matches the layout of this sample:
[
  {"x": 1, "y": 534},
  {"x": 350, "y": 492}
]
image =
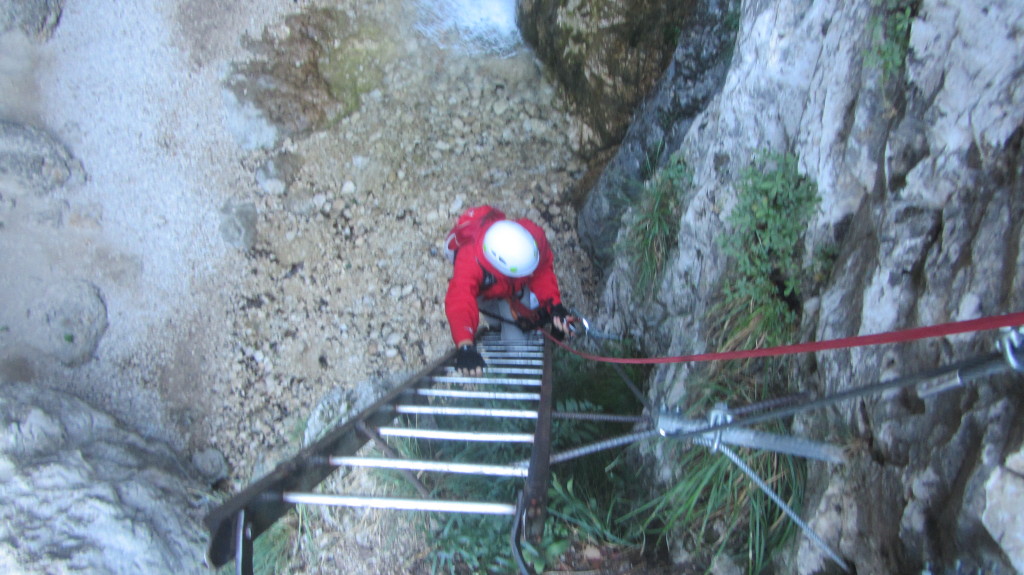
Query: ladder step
[
  {"x": 438, "y": 466},
  {"x": 468, "y": 411},
  {"x": 509, "y": 347},
  {"x": 500, "y": 363},
  {"x": 502, "y": 370},
  {"x": 539, "y": 354},
  {"x": 484, "y": 380},
  {"x": 458, "y": 393},
  {"x": 455, "y": 435},
  {"x": 396, "y": 503}
]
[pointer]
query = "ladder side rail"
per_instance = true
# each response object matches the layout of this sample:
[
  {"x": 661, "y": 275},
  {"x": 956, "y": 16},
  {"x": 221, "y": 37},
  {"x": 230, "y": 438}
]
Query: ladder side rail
[
  {"x": 539, "y": 475},
  {"x": 262, "y": 502}
]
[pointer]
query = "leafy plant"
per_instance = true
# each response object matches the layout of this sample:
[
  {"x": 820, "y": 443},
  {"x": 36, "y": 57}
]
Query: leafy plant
[
  {"x": 773, "y": 207},
  {"x": 712, "y": 505},
  {"x": 653, "y": 232},
  {"x": 890, "y": 36},
  {"x": 595, "y": 519},
  {"x": 556, "y": 541}
]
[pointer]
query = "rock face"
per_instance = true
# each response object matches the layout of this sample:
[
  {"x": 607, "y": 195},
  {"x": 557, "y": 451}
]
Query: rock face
[
  {"x": 918, "y": 164},
  {"x": 79, "y": 494},
  {"x": 36, "y": 18},
  {"x": 694, "y": 75},
  {"x": 607, "y": 54}
]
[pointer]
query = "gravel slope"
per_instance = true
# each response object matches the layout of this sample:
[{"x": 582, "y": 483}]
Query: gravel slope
[{"x": 250, "y": 270}]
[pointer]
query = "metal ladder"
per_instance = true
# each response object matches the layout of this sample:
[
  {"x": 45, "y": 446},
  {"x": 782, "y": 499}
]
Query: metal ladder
[{"x": 516, "y": 385}]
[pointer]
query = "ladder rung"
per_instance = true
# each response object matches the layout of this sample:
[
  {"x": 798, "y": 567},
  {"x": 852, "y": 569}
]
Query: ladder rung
[
  {"x": 510, "y": 346},
  {"x": 523, "y": 396},
  {"x": 455, "y": 435},
  {"x": 484, "y": 380},
  {"x": 438, "y": 466},
  {"x": 505, "y": 363},
  {"x": 470, "y": 411},
  {"x": 532, "y": 354},
  {"x": 395, "y": 503},
  {"x": 503, "y": 370}
]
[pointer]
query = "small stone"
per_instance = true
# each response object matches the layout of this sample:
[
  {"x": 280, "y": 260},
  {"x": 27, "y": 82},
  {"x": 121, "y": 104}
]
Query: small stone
[
  {"x": 348, "y": 187},
  {"x": 456, "y": 204},
  {"x": 211, "y": 464}
]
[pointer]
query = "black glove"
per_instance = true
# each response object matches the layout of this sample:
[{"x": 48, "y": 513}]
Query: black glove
[
  {"x": 467, "y": 358},
  {"x": 562, "y": 314}
]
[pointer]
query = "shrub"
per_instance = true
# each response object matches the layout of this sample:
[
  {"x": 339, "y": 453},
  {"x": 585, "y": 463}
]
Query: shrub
[
  {"x": 890, "y": 36},
  {"x": 773, "y": 207}
]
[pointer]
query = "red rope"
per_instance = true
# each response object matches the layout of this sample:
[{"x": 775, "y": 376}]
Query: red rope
[{"x": 943, "y": 329}]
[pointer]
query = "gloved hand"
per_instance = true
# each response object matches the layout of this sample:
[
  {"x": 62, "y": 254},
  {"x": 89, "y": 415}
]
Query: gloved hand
[
  {"x": 561, "y": 320},
  {"x": 468, "y": 361}
]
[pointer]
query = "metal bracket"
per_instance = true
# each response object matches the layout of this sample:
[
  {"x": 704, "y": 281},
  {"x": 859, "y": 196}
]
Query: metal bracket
[
  {"x": 671, "y": 423},
  {"x": 718, "y": 416},
  {"x": 243, "y": 544},
  {"x": 1011, "y": 343}
]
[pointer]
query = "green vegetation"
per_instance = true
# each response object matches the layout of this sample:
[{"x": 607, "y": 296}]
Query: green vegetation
[
  {"x": 890, "y": 36},
  {"x": 653, "y": 233},
  {"x": 773, "y": 207},
  {"x": 713, "y": 506},
  {"x": 285, "y": 544},
  {"x": 271, "y": 551},
  {"x": 350, "y": 63}
]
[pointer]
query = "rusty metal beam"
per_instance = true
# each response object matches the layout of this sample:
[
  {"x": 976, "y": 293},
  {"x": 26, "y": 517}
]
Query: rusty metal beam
[{"x": 539, "y": 476}]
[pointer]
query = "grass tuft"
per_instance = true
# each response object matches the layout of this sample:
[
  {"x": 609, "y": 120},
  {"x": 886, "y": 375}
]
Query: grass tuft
[{"x": 656, "y": 223}]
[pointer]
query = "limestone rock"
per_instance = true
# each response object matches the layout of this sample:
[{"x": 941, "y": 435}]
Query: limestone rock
[
  {"x": 37, "y": 18},
  {"x": 695, "y": 73},
  {"x": 33, "y": 161},
  {"x": 1004, "y": 509},
  {"x": 919, "y": 172},
  {"x": 87, "y": 496},
  {"x": 607, "y": 54},
  {"x": 67, "y": 321}
]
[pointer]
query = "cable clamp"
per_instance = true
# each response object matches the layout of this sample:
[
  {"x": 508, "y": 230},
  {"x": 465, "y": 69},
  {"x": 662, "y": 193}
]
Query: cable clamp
[
  {"x": 719, "y": 415},
  {"x": 1010, "y": 343}
]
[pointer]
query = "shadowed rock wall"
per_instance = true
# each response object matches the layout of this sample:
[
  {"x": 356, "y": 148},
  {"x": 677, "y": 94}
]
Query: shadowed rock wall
[{"x": 606, "y": 54}]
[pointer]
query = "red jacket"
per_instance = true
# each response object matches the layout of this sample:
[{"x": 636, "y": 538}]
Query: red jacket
[{"x": 468, "y": 283}]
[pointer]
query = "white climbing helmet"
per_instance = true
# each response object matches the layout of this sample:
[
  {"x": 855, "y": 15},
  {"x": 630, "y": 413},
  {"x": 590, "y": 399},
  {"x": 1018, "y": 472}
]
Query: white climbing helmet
[{"x": 511, "y": 249}]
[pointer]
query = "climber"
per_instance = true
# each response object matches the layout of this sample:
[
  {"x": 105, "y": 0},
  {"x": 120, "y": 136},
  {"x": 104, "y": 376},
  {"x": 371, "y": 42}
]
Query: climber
[{"x": 504, "y": 269}]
